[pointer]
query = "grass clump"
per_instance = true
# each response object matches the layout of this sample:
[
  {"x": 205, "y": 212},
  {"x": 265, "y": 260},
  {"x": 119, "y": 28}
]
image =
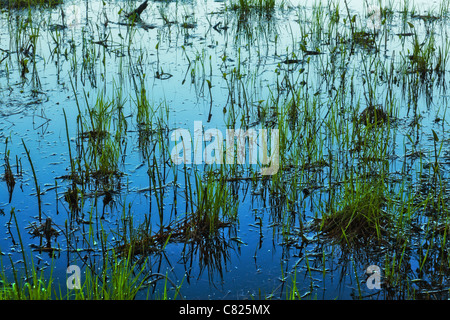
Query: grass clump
[
  {"x": 360, "y": 216},
  {"x": 15, "y": 4},
  {"x": 214, "y": 209},
  {"x": 120, "y": 279},
  {"x": 36, "y": 288},
  {"x": 248, "y": 6},
  {"x": 373, "y": 115},
  {"x": 365, "y": 39}
]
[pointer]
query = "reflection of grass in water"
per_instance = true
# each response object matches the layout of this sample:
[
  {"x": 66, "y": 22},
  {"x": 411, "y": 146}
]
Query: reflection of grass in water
[{"x": 211, "y": 208}]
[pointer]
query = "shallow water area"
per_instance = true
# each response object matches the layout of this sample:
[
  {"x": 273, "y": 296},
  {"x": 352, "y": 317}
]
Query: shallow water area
[{"x": 94, "y": 104}]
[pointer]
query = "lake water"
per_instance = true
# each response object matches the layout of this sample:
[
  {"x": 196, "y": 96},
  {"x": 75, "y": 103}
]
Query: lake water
[{"x": 203, "y": 64}]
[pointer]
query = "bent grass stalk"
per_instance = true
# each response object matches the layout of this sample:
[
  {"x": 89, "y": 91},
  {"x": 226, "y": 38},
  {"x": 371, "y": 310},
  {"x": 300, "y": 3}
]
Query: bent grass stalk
[{"x": 38, "y": 189}]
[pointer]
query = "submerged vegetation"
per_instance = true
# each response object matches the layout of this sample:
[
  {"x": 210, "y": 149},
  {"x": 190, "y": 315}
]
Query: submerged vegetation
[{"x": 95, "y": 97}]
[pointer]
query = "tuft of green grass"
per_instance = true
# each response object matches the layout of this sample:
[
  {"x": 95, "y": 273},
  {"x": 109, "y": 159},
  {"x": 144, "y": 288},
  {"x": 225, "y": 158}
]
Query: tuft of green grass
[
  {"x": 120, "y": 280},
  {"x": 36, "y": 288},
  {"x": 258, "y": 6},
  {"x": 359, "y": 216}
]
